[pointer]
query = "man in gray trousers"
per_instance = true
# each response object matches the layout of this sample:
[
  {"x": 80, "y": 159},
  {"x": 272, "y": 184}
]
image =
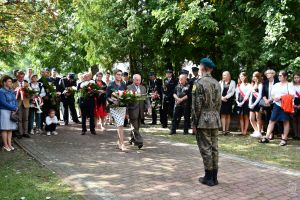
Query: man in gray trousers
[{"x": 136, "y": 110}]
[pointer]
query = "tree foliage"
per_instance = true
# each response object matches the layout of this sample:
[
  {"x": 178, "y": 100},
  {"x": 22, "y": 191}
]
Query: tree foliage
[{"x": 151, "y": 34}]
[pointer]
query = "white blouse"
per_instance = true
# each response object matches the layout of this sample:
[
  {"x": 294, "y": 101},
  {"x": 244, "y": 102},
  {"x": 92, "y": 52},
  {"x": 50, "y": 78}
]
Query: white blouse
[
  {"x": 297, "y": 91},
  {"x": 245, "y": 88},
  {"x": 231, "y": 89},
  {"x": 259, "y": 95},
  {"x": 280, "y": 90}
]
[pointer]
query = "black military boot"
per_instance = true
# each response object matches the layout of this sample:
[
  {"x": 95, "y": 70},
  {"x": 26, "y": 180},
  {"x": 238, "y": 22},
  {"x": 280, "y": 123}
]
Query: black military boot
[
  {"x": 208, "y": 178},
  {"x": 203, "y": 179},
  {"x": 215, "y": 176}
]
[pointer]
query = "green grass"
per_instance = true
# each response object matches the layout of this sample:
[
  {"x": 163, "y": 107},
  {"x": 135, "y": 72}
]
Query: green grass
[
  {"x": 247, "y": 147},
  {"x": 22, "y": 176}
]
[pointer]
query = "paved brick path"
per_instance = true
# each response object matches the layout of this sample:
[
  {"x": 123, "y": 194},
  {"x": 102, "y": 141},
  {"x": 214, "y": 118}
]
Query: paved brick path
[{"x": 161, "y": 170}]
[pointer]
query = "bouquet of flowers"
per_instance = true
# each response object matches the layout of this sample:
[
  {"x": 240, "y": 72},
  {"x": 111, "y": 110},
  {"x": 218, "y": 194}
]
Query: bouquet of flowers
[
  {"x": 50, "y": 89},
  {"x": 155, "y": 100},
  {"x": 123, "y": 97},
  {"x": 89, "y": 89},
  {"x": 26, "y": 92},
  {"x": 70, "y": 91}
]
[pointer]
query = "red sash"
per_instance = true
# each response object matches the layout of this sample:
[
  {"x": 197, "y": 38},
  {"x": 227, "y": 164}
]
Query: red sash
[
  {"x": 241, "y": 92},
  {"x": 298, "y": 95},
  {"x": 255, "y": 94}
]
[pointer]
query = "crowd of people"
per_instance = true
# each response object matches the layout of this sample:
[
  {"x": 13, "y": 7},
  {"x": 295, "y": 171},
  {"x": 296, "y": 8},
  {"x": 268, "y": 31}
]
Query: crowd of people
[
  {"x": 257, "y": 100},
  {"x": 33, "y": 104}
]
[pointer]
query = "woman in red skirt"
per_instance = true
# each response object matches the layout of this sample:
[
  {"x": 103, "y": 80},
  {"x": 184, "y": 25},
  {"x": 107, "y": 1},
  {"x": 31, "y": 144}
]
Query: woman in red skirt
[{"x": 100, "y": 102}]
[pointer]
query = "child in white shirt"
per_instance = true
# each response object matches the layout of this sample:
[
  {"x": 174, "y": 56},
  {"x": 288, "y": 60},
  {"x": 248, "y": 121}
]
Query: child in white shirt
[{"x": 51, "y": 123}]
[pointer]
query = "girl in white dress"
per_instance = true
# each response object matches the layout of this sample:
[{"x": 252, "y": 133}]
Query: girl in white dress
[
  {"x": 254, "y": 98},
  {"x": 242, "y": 93}
]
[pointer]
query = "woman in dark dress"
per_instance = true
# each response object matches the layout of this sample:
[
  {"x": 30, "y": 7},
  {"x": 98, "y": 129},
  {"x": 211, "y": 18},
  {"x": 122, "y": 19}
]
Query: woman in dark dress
[
  {"x": 228, "y": 90},
  {"x": 296, "y": 117},
  {"x": 100, "y": 102}
]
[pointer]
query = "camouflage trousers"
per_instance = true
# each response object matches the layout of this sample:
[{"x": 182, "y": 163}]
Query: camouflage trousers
[{"x": 207, "y": 140}]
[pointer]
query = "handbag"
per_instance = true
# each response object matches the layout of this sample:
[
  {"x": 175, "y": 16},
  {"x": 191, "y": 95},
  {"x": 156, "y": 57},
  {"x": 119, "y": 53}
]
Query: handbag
[
  {"x": 287, "y": 102},
  {"x": 263, "y": 104},
  {"x": 14, "y": 116}
]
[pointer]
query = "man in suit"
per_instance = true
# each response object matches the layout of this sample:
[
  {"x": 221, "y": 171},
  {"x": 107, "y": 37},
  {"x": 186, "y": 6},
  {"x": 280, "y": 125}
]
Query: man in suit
[
  {"x": 126, "y": 79},
  {"x": 168, "y": 100},
  {"x": 136, "y": 110},
  {"x": 23, "y": 103},
  {"x": 65, "y": 86},
  {"x": 155, "y": 90}
]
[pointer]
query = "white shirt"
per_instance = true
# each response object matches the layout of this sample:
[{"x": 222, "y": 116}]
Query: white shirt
[
  {"x": 36, "y": 87},
  {"x": 231, "y": 88},
  {"x": 297, "y": 89},
  {"x": 138, "y": 90},
  {"x": 259, "y": 95},
  {"x": 245, "y": 88},
  {"x": 52, "y": 120},
  {"x": 280, "y": 90},
  {"x": 271, "y": 84},
  {"x": 21, "y": 84}
]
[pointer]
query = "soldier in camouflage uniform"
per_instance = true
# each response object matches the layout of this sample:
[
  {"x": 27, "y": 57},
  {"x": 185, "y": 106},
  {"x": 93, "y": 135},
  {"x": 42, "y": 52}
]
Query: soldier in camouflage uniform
[{"x": 206, "y": 104}]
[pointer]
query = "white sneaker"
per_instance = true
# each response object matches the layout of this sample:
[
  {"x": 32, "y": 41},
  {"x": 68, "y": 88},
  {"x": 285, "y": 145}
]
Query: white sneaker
[
  {"x": 48, "y": 133},
  {"x": 54, "y": 133},
  {"x": 256, "y": 134},
  {"x": 31, "y": 132},
  {"x": 38, "y": 131}
]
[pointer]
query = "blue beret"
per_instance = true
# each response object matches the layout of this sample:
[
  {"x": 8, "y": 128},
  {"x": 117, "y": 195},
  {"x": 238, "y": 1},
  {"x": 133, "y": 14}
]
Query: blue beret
[{"x": 208, "y": 63}]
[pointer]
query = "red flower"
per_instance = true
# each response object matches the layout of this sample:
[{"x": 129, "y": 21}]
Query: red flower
[
  {"x": 133, "y": 93},
  {"x": 124, "y": 93}
]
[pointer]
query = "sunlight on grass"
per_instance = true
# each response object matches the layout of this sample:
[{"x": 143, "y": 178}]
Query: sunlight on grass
[{"x": 22, "y": 176}]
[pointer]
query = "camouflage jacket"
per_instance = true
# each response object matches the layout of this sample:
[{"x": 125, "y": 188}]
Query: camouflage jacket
[{"x": 206, "y": 103}]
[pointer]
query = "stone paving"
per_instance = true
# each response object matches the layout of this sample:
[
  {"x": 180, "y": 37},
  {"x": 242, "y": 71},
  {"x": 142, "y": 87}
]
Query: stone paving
[{"x": 162, "y": 170}]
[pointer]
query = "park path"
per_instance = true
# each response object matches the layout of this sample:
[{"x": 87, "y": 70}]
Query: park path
[{"x": 162, "y": 170}]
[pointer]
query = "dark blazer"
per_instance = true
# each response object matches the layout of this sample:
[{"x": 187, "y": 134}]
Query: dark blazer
[
  {"x": 265, "y": 92},
  {"x": 155, "y": 85},
  {"x": 136, "y": 110}
]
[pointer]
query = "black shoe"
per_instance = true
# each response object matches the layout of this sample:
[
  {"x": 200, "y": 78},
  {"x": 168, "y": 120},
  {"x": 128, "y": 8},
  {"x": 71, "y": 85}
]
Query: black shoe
[
  {"x": 164, "y": 126},
  {"x": 153, "y": 123},
  {"x": 208, "y": 178},
  {"x": 25, "y": 136},
  {"x": 172, "y": 133},
  {"x": 19, "y": 136},
  {"x": 83, "y": 132},
  {"x": 66, "y": 123},
  {"x": 77, "y": 122},
  {"x": 185, "y": 133},
  {"x": 215, "y": 176},
  {"x": 93, "y": 132}
]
